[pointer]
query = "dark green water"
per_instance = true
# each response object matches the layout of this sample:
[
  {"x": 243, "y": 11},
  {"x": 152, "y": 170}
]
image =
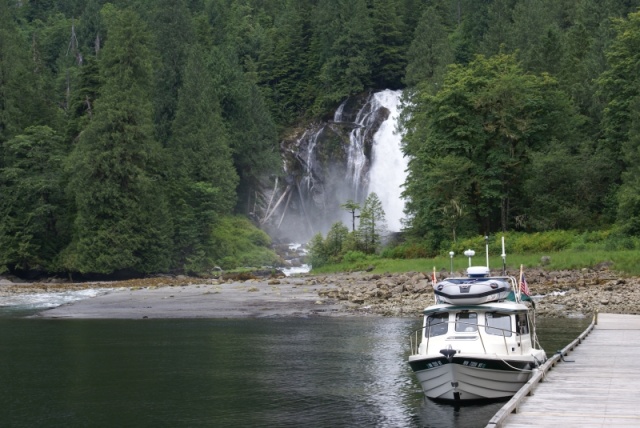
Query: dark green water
[{"x": 311, "y": 372}]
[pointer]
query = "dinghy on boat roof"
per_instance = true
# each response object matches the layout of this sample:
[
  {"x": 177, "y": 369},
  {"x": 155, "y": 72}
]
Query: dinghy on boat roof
[{"x": 474, "y": 289}]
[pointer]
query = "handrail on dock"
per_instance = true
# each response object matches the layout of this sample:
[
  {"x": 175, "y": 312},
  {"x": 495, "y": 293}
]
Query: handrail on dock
[{"x": 527, "y": 389}]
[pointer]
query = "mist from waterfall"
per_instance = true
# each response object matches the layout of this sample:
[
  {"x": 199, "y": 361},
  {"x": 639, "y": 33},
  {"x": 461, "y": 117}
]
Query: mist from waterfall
[
  {"x": 388, "y": 165},
  {"x": 329, "y": 163}
]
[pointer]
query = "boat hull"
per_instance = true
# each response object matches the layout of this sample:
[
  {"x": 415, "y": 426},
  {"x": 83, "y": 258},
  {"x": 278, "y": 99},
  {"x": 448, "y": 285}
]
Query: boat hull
[{"x": 470, "y": 379}]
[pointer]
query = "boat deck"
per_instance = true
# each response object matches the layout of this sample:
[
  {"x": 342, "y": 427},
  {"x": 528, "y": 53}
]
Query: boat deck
[{"x": 597, "y": 384}]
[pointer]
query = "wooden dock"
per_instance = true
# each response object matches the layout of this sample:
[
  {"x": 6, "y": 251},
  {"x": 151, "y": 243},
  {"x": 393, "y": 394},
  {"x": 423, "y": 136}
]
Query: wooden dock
[{"x": 597, "y": 384}]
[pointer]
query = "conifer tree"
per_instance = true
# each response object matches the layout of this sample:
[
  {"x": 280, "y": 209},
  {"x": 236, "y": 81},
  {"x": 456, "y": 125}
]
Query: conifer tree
[
  {"x": 252, "y": 132},
  {"x": 17, "y": 86},
  {"x": 347, "y": 69},
  {"x": 116, "y": 171},
  {"x": 431, "y": 51},
  {"x": 621, "y": 123},
  {"x": 33, "y": 222},
  {"x": 372, "y": 225},
  {"x": 390, "y": 46},
  {"x": 203, "y": 175},
  {"x": 173, "y": 32}
]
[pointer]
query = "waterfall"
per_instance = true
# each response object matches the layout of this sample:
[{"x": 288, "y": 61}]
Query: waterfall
[
  {"x": 384, "y": 170},
  {"x": 309, "y": 159},
  {"x": 330, "y": 162},
  {"x": 388, "y": 165},
  {"x": 357, "y": 162}
]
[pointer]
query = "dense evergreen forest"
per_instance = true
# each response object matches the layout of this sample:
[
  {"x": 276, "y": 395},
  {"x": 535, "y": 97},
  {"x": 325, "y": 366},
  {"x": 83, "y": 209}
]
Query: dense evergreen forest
[{"x": 134, "y": 132}]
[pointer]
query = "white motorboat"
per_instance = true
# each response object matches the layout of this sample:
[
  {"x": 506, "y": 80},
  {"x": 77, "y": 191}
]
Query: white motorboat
[{"x": 478, "y": 340}]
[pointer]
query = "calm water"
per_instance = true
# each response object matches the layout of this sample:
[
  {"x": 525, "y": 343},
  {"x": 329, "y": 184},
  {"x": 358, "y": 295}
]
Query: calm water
[{"x": 312, "y": 372}]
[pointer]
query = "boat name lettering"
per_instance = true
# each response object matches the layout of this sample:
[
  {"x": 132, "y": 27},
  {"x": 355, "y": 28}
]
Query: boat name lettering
[{"x": 474, "y": 364}]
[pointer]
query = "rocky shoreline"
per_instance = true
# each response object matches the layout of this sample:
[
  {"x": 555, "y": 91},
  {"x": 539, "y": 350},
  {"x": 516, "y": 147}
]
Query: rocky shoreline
[
  {"x": 558, "y": 294},
  {"x": 570, "y": 293}
]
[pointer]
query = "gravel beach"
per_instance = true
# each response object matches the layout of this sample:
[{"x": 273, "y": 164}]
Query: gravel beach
[{"x": 557, "y": 294}]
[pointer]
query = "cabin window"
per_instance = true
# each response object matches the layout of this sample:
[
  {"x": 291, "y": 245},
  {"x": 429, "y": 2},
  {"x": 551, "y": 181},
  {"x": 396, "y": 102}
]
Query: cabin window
[
  {"x": 498, "y": 324},
  {"x": 522, "y": 322},
  {"x": 466, "y": 322},
  {"x": 437, "y": 324}
]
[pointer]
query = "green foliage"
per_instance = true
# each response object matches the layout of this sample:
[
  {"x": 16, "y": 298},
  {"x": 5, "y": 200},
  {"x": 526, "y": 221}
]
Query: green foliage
[
  {"x": 16, "y": 84},
  {"x": 352, "y": 207},
  {"x": 347, "y": 69},
  {"x": 239, "y": 243},
  {"x": 318, "y": 256},
  {"x": 339, "y": 246},
  {"x": 335, "y": 241},
  {"x": 390, "y": 44},
  {"x": 34, "y": 225},
  {"x": 285, "y": 64},
  {"x": 121, "y": 220},
  {"x": 470, "y": 145},
  {"x": 250, "y": 127},
  {"x": 354, "y": 256},
  {"x": 202, "y": 168},
  {"x": 173, "y": 121},
  {"x": 407, "y": 250},
  {"x": 360, "y": 262},
  {"x": 621, "y": 125},
  {"x": 373, "y": 226},
  {"x": 430, "y": 51},
  {"x": 173, "y": 31}
]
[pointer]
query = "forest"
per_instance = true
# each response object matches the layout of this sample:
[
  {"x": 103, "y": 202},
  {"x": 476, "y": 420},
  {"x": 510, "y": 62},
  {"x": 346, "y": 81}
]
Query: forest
[{"x": 134, "y": 133}]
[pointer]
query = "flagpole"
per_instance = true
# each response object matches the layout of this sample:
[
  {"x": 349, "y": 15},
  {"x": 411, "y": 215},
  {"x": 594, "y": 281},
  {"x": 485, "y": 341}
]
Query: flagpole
[
  {"x": 433, "y": 281},
  {"x": 520, "y": 283}
]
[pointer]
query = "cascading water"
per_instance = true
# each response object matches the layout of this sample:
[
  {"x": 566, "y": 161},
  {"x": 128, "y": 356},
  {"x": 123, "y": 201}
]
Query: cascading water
[
  {"x": 356, "y": 153},
  {"x": 357, "y": 162},
  {"x": 388, "y": 165},
  {"x": 384, "y": 170}
]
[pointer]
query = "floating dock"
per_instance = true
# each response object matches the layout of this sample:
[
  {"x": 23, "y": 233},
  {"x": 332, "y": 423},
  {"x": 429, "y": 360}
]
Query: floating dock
[{"x": 592, "y": 382}]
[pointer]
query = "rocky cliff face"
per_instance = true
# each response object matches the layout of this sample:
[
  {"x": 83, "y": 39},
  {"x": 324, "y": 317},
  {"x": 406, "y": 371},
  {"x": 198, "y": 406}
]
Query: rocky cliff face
[{"x": 324, "y": 165}]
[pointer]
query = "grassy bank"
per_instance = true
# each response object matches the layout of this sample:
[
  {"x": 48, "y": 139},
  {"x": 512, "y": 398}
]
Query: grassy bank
[
  {"x": 560, "y": 249},
  {"x": 623, "y": 261}
]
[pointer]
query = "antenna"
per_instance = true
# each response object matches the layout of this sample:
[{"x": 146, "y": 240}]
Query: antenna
[
  {"x": 504, "y": 259},
  {"x": 486, "y": 244}
]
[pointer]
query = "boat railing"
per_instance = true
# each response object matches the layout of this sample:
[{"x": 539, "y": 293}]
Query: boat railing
[{"x": 418, "y": 334}]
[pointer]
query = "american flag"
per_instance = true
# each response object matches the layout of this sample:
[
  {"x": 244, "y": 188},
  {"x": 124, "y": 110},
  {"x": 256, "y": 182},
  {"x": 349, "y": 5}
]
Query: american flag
[{"x": 524, "y": 288}]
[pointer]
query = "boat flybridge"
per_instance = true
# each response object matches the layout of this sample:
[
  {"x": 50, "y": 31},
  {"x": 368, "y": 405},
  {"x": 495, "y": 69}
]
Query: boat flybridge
[{"x": 478, "y": 340}]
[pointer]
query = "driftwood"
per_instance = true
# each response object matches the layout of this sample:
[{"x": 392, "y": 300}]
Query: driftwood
[
  {"x": 285, "y": 207},
  {"x": 269, "y": 214},
  {"x": 273, "y": 194}
]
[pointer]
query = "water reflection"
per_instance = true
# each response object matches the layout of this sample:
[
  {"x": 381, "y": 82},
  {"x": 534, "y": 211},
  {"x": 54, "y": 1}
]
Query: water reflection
[
  {"x": 341, "y": 372},
  {"x": 320, "y": 372}
]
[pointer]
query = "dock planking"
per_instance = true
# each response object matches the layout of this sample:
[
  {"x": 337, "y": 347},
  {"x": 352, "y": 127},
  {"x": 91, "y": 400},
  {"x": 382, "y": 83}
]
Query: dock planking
[{"x": 597, "y": 384}]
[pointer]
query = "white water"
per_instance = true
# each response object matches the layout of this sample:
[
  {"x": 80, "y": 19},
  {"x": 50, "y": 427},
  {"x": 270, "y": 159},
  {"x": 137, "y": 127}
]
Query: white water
[
  {"x": 308, "y": 179},
  {"x": 304, "y": 268},
  {"x": 49, "y": 300},
  {"x": 295, "y": 270},
  {"x": 357, "y": 161},
  {"x": 388, "y": 167}
]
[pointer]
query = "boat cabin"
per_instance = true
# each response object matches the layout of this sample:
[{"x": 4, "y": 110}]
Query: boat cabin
[{"x": 477, "y": 329}]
